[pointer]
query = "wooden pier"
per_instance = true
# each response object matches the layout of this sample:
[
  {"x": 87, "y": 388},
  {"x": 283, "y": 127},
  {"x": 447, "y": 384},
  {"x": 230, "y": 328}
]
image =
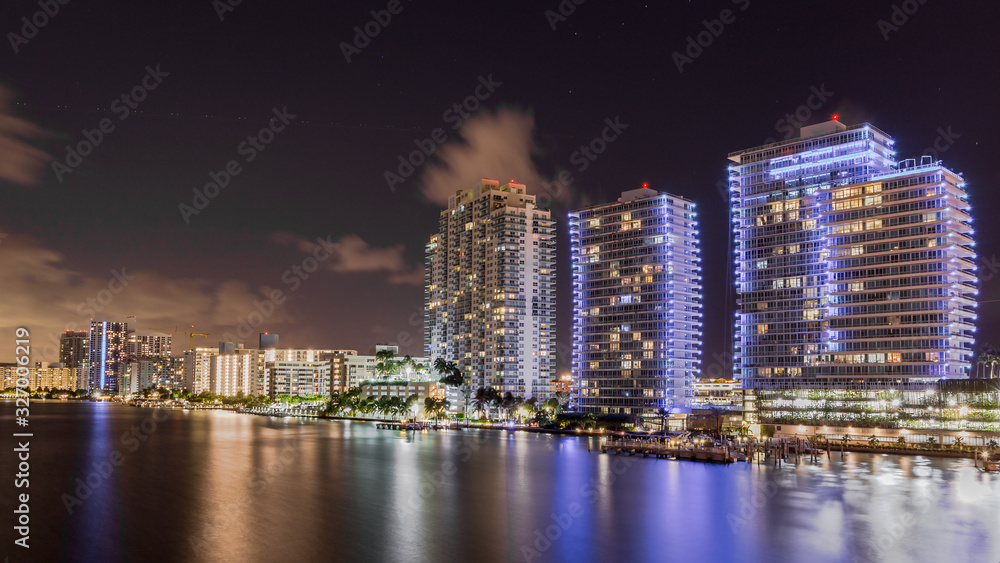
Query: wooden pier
[
  {"x": 776, "y": 451},
  {"x": 665, "y": 450},
  {"x": 396, "y": 425}
]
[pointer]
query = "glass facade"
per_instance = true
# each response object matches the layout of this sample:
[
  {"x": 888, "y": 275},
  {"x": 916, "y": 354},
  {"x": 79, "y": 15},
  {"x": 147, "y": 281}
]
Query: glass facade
[
  {"x": 849, "y": 266},
  {"x": 636, "y": 304},
  {"x": 108, "y": 356}
]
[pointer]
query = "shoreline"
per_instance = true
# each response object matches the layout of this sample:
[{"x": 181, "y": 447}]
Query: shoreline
[
  {"x": 857, "y": 448},
  {"x": 594, "y": 433}
]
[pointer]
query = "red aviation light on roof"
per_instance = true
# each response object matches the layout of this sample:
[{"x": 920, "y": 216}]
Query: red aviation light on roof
[
  {"x": 645, "y": 184},
  {"x": 835, "y": 116}
]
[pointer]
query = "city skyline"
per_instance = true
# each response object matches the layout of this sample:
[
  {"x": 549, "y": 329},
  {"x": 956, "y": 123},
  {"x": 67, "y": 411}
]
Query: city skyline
[
  {"x": 556, "y": 280},
  {"x": 250, "y": 241}
]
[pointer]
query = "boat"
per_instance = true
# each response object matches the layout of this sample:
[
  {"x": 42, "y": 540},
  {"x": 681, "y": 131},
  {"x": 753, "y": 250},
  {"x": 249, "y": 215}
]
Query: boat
[{"x": 992, "y": 463}]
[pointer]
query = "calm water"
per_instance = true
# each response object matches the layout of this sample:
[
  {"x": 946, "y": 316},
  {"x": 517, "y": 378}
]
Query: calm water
[{"x": 217, "y": 486}]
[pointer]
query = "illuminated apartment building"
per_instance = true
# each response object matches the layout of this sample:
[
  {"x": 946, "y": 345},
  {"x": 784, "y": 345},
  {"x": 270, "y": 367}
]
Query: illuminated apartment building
[
  {"x": 302, "y": 371},
  {"x": 198, "y": 369},
  {"x": 490, "y": 289},
  {"x": 636, "y": 304},
  {"x": 73, "y": 348},
  {"x": 107, "y": 356},
  {"x": 850, "y": 269},
  {"x": 149, "y": 346},
  {"x": 241, "y": 371}
]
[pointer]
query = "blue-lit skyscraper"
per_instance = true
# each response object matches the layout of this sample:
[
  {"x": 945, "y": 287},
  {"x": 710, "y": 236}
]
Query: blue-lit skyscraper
[
  {"x": 108, "y": 355},
  {"x": 636, "y": 304},
  {"x": 850, "y": 269}
]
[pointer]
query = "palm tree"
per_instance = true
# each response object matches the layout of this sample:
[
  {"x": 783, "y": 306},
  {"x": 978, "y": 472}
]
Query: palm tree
[
  {"x": 406, "y": 362},
  {"x": 407, "y": 406},
  {"x": 333, "y": 406},
  {"x": 394, "y": 406},
  {"x": 452, "y": 377},
  {"x": 563, "y": 398},
  {"x": 434, "y": 408},
  {"x": 382, "y": 406},
  {"x": 530, "y": 407},
  {"x": 495, "y": 399},
  {"x": 509, "y": 404},
  {"x": 481, "y": 402},
  {"x": 386, "y": 363}
]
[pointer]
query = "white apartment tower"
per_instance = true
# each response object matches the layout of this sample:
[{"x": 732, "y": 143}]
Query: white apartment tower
[
  {"x": 490, "y": 289},
  {"x": 637, "y": 303},
  {"x": 851, "y": 269}
]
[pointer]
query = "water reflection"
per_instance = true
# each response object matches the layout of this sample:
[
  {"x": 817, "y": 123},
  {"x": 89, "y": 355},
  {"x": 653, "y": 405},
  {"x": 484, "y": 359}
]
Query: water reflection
[{"x": 217, "y": 486}]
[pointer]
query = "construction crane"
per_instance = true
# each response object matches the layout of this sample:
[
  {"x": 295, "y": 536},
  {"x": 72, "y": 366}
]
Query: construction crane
[{"x": 191, "y": 334}]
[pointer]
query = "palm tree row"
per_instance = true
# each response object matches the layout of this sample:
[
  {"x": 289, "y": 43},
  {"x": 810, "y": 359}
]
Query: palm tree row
[
  {"x": 488, "y": 401},
  {"x": 988, "y": 357},
  {"x": 351, "y": 402},
  {"x": 387, "y": 365}
]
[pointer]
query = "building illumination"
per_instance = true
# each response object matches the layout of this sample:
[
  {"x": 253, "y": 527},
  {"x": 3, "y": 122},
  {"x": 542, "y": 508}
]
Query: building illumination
[
  {"x": 636, "y": 304},
  {"x": 850, "y": 267}
]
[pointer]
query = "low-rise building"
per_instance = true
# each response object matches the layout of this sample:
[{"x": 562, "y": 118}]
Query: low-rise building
[
  {"x": 298, "y": 378},
  {"x": 150, "y": 373},
  {"x": 198, "y": 369},
  {"x": 241, "y": 371},
  {"x": 724, "y": 393},
  {"x": 361, "y": 369},
  {"x": 404, "y": 389},
  {"x": 41, "y": 376}
]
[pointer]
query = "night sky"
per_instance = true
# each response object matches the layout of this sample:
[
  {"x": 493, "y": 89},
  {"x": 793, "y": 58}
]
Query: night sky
[{"x": 928, "y": 77}]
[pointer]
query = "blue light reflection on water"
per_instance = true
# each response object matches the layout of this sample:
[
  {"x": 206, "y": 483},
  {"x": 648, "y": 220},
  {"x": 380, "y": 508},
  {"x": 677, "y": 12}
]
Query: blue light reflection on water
[{"x": 347, "y": 491}]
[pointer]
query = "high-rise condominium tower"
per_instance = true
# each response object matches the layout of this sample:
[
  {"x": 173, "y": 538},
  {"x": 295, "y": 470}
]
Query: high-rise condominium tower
[
  {"x": 636, "y": 304},
  {"x": 73, "y": 348},
  {"x": 108, "y": 356},
  {"x": 490, "y": 289},
  {"x": 851, "y": 269}
]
